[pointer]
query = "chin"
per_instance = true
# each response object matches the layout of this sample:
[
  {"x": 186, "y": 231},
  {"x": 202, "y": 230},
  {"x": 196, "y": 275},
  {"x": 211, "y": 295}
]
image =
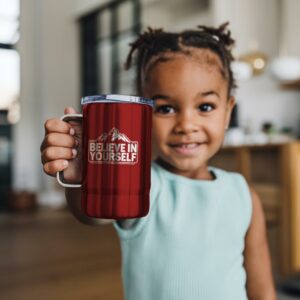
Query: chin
[
  {"x": 181, "y": 165},
  {"x": 190, "y": 166}
]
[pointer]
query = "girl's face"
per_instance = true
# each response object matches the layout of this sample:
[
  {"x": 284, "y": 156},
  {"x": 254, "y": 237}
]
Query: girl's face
[{"x": 191, "y": 112}]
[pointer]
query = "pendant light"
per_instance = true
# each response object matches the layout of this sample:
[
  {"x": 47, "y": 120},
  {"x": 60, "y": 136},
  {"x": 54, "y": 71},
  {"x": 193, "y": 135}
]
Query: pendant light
[{"x": 284, "y": 68}]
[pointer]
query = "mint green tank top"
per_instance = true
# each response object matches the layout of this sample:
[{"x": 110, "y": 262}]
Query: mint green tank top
[{"x": 190, "y": 245}]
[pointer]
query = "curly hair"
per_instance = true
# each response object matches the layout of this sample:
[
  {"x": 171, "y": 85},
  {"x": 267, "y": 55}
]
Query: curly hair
[{"x": 157, "y": 42}]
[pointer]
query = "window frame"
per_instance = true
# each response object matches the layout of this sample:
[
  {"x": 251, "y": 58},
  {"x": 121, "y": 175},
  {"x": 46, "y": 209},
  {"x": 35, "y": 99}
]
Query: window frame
[
  {"x": 7, "y": 46},
  {"x": 91, "y": 83}
]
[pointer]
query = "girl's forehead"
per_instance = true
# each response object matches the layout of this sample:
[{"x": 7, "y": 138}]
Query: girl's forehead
[
  {"x": 204, "y": 57},
  {"x": 182, "y": 74}
]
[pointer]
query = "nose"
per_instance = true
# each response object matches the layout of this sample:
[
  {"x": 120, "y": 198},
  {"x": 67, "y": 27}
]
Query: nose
[{"x": 186, "y": 123}]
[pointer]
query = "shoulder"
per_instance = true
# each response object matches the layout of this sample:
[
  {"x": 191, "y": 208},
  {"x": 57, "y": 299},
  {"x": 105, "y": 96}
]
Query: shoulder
[
  {"x": 232, "y": 180},
  {"x": 258, "y": 219},
  {"x": 235, "y": 188},
  {"x": 257, "y": 215}
]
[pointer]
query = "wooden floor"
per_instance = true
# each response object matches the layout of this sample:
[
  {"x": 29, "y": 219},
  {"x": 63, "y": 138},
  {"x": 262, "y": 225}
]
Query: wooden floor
[{"x": 49, "y": 255}]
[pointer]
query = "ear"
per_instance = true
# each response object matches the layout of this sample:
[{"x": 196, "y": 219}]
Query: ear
[{"x": 229, "y": 107}]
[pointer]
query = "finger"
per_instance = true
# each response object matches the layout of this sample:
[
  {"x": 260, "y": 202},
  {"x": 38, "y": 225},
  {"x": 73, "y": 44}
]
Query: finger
[
  {"x": 55, "y": 125},
  {"x": 74, "y": 123},
  {"x": 56, "y": 153},
  {"x": 51, "y": 168},
  {"x": 70, "y": 110},
  {"x": 59, "y": 140}
]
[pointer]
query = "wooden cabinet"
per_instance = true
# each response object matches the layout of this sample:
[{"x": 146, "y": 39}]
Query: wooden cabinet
[{"x": 274, "y": 172}]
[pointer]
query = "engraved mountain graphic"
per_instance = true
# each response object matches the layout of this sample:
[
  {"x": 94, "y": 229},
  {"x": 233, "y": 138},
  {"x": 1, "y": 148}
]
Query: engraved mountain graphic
[{"x": 113, "y": 136}]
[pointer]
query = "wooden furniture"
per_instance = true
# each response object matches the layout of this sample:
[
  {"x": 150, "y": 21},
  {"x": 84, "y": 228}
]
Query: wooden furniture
[{"x": 274, "y": 172}]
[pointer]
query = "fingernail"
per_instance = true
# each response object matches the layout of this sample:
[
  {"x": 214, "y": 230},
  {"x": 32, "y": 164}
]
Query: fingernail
[
  {"x": 72, "y": 131},
  {"x": 76, "y": 143},
  {"x": 65, "y": 163},
  {"x": 74, "y": 152}
]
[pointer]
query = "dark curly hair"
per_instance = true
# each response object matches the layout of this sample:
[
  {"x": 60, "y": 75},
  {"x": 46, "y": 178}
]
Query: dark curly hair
[{"x": 156, "y": 42}]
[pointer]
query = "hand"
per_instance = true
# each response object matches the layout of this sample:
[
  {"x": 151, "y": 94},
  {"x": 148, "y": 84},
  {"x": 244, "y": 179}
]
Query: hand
[{"x": 61, "y": 148}]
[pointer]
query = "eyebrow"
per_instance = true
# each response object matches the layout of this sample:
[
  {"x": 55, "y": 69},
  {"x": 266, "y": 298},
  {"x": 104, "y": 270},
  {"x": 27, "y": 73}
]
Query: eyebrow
[
  {"x": 155, "y": 97},
  {"x": 204, "y": 94},
  {"x": 209, "y": 93}
]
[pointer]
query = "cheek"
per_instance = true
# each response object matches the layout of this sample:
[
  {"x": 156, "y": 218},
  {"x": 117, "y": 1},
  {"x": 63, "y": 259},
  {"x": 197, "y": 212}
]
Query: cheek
[
  {"x": 160, "y": 130},
  {"x": 217, "y": 127},
  {"x": 157, "y": 138},
  {"x": 156, "y": 132}
]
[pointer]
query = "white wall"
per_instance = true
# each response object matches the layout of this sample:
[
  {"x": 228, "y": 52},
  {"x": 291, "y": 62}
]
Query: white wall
[
  {"x": 263, "y": 100},
  {"x": 256, "y": 24},
  {"x": 291, "y": 31},
  {"x": 176, "y": 14},
  {"x": 169, "y": 14},
  {"x": 49, "y": 80},
  {"x": 50, "y": 63},
  {"x": 82, "y": 7}
]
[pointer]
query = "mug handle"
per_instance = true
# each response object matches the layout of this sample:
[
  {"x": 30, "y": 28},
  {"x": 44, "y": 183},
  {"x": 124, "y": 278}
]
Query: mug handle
[{"x": 60, "y": 175}]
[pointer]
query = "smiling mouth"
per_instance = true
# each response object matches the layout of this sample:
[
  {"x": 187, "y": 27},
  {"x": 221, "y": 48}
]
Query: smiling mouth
[
  {"x": 186, "y": 148},
  {"x": 185, "y": 145}
]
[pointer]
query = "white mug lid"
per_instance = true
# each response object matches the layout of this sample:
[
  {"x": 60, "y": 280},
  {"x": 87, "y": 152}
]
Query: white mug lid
[{"x": 110, "y": 98}]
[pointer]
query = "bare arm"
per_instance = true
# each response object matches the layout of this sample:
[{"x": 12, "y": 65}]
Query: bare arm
[
  {"x": 73, "y": 197},
  {"x": 260, "y": 284}
]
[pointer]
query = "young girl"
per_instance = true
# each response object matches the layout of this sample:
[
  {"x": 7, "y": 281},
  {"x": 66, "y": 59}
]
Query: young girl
[{"x": 205, "y": 235}]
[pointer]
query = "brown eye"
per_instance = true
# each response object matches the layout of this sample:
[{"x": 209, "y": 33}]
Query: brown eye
[
  {"x": 164, "y": 109},
  {"x": 206, "y": 107}
]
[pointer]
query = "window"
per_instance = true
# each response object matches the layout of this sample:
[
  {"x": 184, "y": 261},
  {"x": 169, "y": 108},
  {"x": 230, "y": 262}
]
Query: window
[
  {"x": 9, "y": 91},
  {"x": 105, "y": 35},
  {"x": 9, "y": 23},
  {"x": 9, "y": 57},
  {"x": 9, "y": 77}
]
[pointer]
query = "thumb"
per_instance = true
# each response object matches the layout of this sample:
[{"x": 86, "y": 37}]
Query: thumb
[{"x": 70, "y": 110}]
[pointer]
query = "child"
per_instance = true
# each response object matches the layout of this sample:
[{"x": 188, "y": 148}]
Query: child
[{"x": 205, "y": 235}]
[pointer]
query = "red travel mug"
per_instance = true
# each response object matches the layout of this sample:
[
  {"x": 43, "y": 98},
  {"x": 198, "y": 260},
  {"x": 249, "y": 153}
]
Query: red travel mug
[{"x": 116, "y": 156}]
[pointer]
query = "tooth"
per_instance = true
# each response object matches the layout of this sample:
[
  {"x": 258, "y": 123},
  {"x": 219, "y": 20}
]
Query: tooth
[
  {"x": 191, "y": 145},
  {"x": 187, "y": 145}
]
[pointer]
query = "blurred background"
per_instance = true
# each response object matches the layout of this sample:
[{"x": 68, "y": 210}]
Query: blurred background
[{"x": 54, "y": 52}]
